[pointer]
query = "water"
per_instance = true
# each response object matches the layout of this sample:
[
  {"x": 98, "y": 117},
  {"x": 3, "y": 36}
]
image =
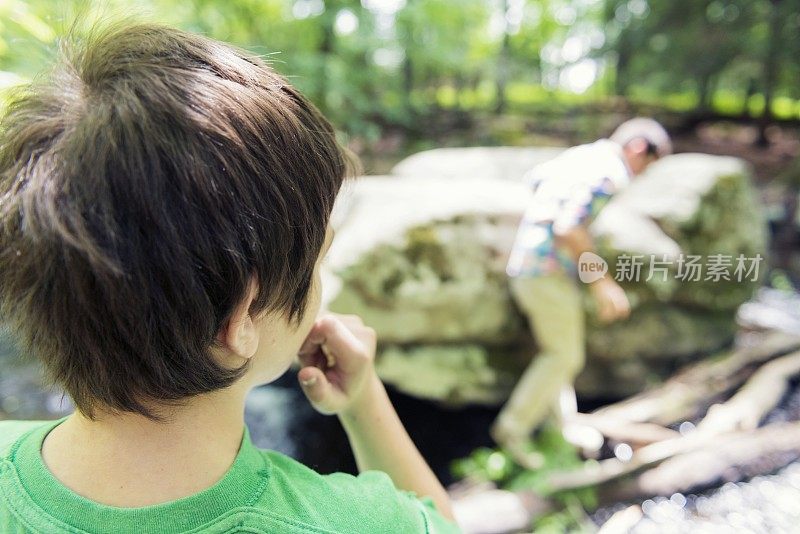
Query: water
[{"x": 765, "y": 504}]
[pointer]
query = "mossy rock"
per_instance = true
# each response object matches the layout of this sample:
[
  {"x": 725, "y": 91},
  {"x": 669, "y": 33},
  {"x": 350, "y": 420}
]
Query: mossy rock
[{"x": 422, "y": 259}]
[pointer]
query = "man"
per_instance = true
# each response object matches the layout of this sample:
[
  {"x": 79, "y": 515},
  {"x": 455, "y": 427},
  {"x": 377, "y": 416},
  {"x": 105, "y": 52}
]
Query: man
[{"x": 569, "y": 191}]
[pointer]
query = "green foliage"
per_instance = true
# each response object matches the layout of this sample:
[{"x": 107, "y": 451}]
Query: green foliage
[
  {"x": 497, "y": 466},
  {"x": 385, "y": 65},
  {"x": 706, "y": 45},
  {"x": 571, "y": 518},
  {"x": 779, "y": 279},
  {"x": 19, "y": 23}
]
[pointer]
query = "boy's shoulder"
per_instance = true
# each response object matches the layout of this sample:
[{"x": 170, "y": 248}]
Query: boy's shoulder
[
  {"x": 369, "y": 502},
  {"x": 12, "y": 430},
  {"x": 294, "y": 498}
]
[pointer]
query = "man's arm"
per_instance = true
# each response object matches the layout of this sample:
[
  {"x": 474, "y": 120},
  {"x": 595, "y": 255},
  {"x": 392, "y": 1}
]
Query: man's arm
[
  {"x": 575, "y": 241},
  {"x": 611, "y": 300},
  {"x": 339, "y": 377}
]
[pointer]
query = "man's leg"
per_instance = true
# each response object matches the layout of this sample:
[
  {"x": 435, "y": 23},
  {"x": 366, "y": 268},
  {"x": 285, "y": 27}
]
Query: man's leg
[{"x": 554, "y": 309}]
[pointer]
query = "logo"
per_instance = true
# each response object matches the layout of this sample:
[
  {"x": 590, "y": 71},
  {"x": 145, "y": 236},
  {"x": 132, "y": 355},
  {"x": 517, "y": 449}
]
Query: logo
[{"x": 591, "y": 267}]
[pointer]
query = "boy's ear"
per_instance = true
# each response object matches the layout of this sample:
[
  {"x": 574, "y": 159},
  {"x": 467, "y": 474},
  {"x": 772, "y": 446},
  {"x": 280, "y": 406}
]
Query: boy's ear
[{"x": 240, "y": 334}]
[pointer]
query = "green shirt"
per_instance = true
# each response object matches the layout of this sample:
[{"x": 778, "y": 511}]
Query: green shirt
[{"x": 263, "y": 492}]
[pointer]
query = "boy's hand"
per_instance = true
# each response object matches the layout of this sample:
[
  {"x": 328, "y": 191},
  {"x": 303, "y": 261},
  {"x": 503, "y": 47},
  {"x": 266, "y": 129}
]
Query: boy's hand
[
  {"x": 612, "y": 302},
  {"x": 337, "y": 360},
  {"x": 338, "y": 376}
]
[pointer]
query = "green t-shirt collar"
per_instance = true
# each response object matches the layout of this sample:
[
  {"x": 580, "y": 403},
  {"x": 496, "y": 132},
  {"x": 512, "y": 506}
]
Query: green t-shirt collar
[{"x": 241, "y": 486}]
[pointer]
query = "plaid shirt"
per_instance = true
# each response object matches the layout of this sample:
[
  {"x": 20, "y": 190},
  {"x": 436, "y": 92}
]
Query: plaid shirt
[{"x": 568, "y": 191}]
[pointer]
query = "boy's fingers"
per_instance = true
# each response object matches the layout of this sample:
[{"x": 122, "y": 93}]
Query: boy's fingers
[
  {"x": 313, "y": 340},
  {"x": 329, "y": 326},
  {"x": 315, "y": 359},
  {"x": 314, "y": 384},
  {"x": 350, "y": 320},
  {"x": 339, "y": 339}
]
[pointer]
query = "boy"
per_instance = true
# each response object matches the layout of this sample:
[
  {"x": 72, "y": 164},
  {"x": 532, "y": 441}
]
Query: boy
[
  {"x": 569, "y": 191},
  {"x": 164, "y": 202}
]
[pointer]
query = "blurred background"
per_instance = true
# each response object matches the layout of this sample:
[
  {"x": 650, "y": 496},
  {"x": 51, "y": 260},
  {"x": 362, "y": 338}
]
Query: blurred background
[{"x": 401, "y": 77}]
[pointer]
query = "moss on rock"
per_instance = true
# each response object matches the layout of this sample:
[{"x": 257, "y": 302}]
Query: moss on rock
[{"x": 422, "y": 260}]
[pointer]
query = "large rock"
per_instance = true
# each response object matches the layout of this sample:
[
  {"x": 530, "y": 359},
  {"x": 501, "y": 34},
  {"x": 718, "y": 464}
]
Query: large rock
[
  {"x": 421, "y": 256},
  {"x": 497, "y": 163}
]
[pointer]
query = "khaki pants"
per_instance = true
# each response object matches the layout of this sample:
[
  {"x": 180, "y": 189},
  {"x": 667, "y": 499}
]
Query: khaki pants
[{"x": 553, "y": 306}]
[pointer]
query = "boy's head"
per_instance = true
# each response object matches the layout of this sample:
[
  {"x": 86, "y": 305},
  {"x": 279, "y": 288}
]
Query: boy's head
[
  {"x": 164, "y": 200},
  {"x": 643, "y": 140}
]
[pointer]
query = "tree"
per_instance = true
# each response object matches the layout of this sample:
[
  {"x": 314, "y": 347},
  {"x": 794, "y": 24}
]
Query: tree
[{"x": 665, "y": 47}]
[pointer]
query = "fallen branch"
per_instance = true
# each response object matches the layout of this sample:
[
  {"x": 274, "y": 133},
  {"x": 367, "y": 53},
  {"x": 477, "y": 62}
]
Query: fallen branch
[
  {"x": 742, "y": 412},
  {"x": 726, "y": 441},
  {"x": 687, "y": 464},
  {"x": 760, "y": 394},
  {"x": 489, "y": 510},
  {"x": 600, "y": 472},
  {"x": 627, "y": 431},
  {"x": 679, "y": 398},
  {"x": 623, "y": 521},
  {"x": 747, "y": 453}
]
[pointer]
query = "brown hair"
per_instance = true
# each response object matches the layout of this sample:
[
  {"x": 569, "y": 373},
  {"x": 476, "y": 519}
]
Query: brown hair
[{"x": 142, "y": 183}]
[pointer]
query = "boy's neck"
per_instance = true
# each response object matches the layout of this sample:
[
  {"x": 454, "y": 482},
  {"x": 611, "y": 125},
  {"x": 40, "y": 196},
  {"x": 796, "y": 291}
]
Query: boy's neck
[{"x": 129, "y": 460}]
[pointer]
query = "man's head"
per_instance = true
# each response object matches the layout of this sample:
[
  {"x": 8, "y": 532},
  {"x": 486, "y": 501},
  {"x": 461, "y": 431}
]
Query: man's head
[
  {"x": 164, "y": 199},
  {"x": 643, "y": 141}
]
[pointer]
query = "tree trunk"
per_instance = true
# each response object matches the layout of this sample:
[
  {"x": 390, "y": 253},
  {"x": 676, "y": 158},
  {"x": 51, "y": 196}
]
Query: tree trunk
[
  {"x": 621, "y": 78},
  {"x": 327, "y": 20},
  {"x": 625, "y": 52},
  {"x": 502, "y": 65},
  {"x": 408, "y": 81},
  {"x": 408, "y": 72},
  {"x": 770, "y": 70},
  {"x": 706, "y": 92}
]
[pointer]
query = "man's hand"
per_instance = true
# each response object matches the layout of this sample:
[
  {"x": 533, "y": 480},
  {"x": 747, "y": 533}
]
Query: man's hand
[
  {"x": 612, "y": 302},
  {"x": 337, "y": 360}
]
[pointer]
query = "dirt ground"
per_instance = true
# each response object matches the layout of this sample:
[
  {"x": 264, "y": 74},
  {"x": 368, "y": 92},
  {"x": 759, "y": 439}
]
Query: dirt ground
[
  {"x": 768, "y": 163},
  {"x": 719, "y": 138}
]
